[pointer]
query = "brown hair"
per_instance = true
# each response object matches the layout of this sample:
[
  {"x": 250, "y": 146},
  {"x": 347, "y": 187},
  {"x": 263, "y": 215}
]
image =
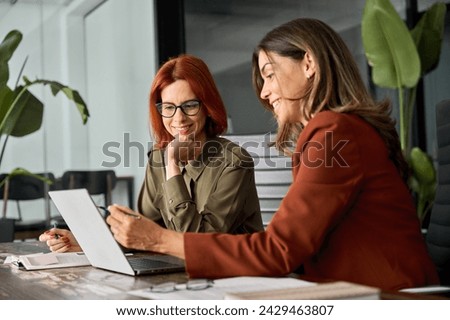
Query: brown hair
[
  {"x": 196, "y": 73},
  {"x": 336, "y": 86}
]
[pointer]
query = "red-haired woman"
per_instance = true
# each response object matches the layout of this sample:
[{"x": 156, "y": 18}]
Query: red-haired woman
[{"x": 195, "y": 180}]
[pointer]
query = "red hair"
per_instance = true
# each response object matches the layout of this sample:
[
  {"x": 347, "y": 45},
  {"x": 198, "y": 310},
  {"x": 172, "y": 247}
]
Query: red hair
[{"x": 197, "y": 74}]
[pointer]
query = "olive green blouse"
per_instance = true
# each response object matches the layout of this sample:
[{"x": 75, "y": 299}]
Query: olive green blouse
[{"x": 215, "y": 193}]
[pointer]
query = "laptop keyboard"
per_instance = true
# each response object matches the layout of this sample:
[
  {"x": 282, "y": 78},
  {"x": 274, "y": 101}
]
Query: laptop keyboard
[{"x": 144, "y": 264}]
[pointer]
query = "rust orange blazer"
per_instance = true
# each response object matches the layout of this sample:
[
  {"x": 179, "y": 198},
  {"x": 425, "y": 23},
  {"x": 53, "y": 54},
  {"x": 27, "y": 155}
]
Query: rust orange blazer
[{"x": 347, "y": 216}]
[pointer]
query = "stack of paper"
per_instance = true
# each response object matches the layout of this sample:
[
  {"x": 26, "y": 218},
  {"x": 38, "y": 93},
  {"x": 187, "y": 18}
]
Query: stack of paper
[{"x": 325, "y": 291}]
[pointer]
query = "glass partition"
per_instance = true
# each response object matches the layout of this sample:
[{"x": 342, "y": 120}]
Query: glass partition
[
  {"x": 224, "y": 34},
  {"x": 106, "y": 51}
]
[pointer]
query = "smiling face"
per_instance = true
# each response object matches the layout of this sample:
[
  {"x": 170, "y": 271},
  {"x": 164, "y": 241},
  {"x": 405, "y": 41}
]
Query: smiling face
[
  {"x": 177, "y": 93},
  {"x": 285, "y": 84}
]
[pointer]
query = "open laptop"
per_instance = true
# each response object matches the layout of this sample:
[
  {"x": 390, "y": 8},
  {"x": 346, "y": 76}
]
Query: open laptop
[{"x": 93, "y": 235}]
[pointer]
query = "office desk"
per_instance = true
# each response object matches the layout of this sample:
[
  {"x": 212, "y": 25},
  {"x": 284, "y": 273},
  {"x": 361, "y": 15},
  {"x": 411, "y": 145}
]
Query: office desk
[
  {"x": 68, "y": 283},
  {"x": 90, "y": 283}
]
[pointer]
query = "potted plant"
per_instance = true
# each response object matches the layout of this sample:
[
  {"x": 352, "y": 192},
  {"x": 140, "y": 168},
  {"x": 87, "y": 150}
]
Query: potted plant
[
  {"x": 20, "y": 111},
  {"x": 399, "y": 57}
]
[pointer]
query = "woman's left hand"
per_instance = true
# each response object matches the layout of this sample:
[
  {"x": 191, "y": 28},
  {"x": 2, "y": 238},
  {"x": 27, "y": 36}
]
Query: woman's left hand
[{"x": 60, "y": 240}]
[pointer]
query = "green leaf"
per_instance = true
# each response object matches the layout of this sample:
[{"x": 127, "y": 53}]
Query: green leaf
[
  {"x": 428, "y": 35},
  {"x": 6, "y": 99},
  {"x": 4, "y": 74},
  {"x": 389, "y": 47},
  {"x": 71, "y": 94},
  {"x": 423, "y": 180},
  {"x": 422, "y": 167},
  {"x": 30, "y": 119},
  {"x": 24, "y": 115},
  {"x": 24, "y": 172},
  {"x": 7, "y": 48},
  {"x": 9, "y": 45}
]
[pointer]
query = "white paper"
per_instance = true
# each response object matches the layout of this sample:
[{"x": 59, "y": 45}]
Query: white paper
[
  {"x": 40, "y": 260},
  {"x": 50, "y": 260}
]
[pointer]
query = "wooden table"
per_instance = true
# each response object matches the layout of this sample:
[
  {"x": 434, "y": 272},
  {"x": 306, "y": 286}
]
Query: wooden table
[
  {"x": 91, "y": 283},
  {"x": 68, "y": 283}
]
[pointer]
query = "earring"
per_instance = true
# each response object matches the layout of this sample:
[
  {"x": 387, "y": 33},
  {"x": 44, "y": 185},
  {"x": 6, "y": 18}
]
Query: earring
[{"x": 308, "y": 76}]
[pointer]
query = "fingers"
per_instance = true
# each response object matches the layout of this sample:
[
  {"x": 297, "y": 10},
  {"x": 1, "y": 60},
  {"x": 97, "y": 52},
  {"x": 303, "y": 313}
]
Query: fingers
[
  {"x": 118, "y": 208},
  {"x": 123, "y": 223},
  {"x": 182, "y": 138},
  {"x": 59, "y": 240},
  {"x": 51, "y": 234},
  {"x": 44, "y": 236},
  {"x": 61, "y": 244},
  {"x": 122, "y": 215}
]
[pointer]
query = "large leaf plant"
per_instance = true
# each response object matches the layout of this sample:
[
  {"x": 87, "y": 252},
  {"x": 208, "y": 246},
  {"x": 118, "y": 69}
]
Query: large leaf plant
[
  {"x": 399, "y": 57},
  {"x": 21, "y": 112}
]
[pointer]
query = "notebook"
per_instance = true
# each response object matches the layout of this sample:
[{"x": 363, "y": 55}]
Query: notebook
[{"x": 94, "y": 237}]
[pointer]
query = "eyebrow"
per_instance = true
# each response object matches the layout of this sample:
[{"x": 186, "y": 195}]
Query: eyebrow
[
  {"x": 192, "y": 99},
  {"x": 265, "y": 65}
]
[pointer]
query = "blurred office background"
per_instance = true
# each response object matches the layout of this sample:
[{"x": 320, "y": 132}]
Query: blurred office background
[{"x": 109, "y": 50}]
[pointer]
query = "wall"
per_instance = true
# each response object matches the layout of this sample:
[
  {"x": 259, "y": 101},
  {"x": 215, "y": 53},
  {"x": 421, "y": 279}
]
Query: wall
[{"x": 105, "y": 50}]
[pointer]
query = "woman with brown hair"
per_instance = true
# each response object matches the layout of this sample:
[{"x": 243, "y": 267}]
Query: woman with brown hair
[{"x": 348, "y": 214}]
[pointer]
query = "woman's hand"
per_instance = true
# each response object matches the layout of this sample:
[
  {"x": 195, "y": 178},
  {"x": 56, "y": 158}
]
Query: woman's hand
[
  {"x": 183, "y": 149},
  {"x": 180, "y": 150},
  {"x": 135, "y": 231},
  {"x": 60, "y": 240}
]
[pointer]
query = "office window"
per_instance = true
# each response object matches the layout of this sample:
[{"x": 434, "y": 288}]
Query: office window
[{"x": 224, "y": 34}]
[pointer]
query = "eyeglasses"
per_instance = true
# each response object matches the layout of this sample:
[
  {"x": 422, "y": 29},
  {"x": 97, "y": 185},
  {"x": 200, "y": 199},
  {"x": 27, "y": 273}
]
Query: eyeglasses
[
  {"x": 189, "y": 108},
  {"x": 194, "y": 285}
]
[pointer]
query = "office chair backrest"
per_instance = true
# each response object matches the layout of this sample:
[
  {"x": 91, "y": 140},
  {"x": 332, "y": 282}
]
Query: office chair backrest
[
  {"x": 6, "y": 230},
  {"x": 273, "y": 171},
  {"x": 438, "y": 235},
  {"x": 22, "y": 187},
  {"x": 95, "y": 181}
]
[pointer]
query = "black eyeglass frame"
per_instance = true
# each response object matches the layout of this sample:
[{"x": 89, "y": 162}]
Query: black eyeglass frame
[{"x": 159, "y": 106}]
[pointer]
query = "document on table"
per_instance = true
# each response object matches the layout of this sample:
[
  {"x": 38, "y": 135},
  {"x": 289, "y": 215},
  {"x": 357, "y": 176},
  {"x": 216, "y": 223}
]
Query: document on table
[
  {"x": 336, "y": 290},
  {"x": 50, "y": 260},
  {"x": 220, "y": 287}
]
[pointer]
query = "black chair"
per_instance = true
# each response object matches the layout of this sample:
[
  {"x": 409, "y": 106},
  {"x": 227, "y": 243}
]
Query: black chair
[
  {"x": 438, "y": 234},
  {"x": 6, "y": 230},
  {"x": 97, "y": 182},
  {"x": 22, "y": 188}
]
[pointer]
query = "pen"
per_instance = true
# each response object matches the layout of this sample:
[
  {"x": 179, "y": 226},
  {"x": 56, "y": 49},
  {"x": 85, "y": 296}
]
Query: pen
[
  {"x": 55, "y": 225},
  {"x": 132, "y": 215},
  {"x": 107, "y": 213}
]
